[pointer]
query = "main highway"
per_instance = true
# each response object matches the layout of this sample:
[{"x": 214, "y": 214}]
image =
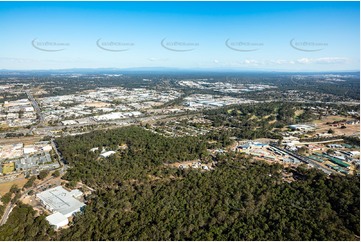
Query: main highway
[{"x": 36, "y": 107}]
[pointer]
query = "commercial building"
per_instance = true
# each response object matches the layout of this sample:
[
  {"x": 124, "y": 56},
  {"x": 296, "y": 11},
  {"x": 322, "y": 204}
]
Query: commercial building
[
  {"x": 302, "y": 127},
  {"x": 37, "y": 160},
  {"x": 58, "y": 220},
  {"x": 251, "y": 145},
  {"x": 62, "y": 202},
  {"x": 107, "y": 154}
]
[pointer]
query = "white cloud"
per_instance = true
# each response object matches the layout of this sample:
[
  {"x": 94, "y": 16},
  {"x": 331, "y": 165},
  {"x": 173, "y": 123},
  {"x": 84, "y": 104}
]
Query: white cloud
[
  {"x": 267, "y": 62},
  {"x": 250, "y": 62},
  {"x": 157, "y": 59},
  {"x": 331, "y": 60},
  {"x": 278, "y": 62},
  {"x": 323, "y": 60},
  {"x": 304, "y": 61}
]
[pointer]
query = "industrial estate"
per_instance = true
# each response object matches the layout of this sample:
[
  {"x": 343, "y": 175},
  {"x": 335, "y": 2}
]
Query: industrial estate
[
  {"x": 31, "y": 125},
  {"x": 179, "y": 121}
]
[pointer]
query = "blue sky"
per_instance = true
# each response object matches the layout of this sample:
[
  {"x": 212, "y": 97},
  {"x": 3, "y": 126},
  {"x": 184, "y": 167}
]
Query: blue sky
[{"x": 289, "y": 36}]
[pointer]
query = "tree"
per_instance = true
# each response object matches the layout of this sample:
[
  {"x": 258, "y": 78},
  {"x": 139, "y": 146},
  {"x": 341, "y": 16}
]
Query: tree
[
  {"x": 72, "y": 184},
  {"x": 43, "y": 174},
  {"x": 303, "y": 150},
  {"x": 6, "y": 198},
  {"x": 330, "y": 151},
  {"x": 14, "y": 189},
  {"x": 56, "y": 173},
  {"x": 30, "y": 182}
]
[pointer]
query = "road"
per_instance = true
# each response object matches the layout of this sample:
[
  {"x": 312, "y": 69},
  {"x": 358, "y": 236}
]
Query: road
[
  {"x": 91, "y": 189},
  {"x": 36, "y": 107},
  {"x": 306, "y": 160},
  {"x": 322, "y": 142},
  {"x": 64, "y": 167},
  {"x": 7, "y": 212}
]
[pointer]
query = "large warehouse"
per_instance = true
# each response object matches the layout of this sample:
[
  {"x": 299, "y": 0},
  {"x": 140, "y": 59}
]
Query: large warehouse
[{"x": 59, "y": 200}]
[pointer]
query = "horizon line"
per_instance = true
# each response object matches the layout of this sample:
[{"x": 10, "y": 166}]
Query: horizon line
[{"x": 171, "y": 69}]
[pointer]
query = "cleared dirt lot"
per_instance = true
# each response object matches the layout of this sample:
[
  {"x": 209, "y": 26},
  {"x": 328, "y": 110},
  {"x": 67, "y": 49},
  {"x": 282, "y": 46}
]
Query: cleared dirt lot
[
  {"x": 5, "y": 187},
  {"x": 322, "y": 127},
  {"x": 26, "y": 140}
]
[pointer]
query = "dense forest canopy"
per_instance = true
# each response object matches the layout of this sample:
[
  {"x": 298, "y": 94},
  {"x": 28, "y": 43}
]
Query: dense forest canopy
[
  {"x": 138, "y": 196},
  {"x": 23, "y": 225}
]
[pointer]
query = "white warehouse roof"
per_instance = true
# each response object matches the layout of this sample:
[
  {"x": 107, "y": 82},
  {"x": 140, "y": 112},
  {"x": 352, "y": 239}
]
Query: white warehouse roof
[
  {"x": 60, "y": 200},
  {"x": 57, "y": 219},
  {"x": 108, "y": 153}
]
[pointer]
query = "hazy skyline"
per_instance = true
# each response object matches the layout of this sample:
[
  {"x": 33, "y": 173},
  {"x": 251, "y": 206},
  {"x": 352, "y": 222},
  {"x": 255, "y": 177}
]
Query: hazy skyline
[{"x": 280, "y": 36}]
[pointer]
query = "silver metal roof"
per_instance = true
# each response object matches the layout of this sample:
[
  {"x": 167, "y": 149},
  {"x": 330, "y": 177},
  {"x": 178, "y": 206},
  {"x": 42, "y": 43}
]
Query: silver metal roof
[{"x": 60, "y": 200}]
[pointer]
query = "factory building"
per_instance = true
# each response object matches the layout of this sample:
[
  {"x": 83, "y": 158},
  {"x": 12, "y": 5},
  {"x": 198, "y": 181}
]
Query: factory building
[
  {"x": 62, "y": 202},
  {"x": 58, "y": 220}
]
